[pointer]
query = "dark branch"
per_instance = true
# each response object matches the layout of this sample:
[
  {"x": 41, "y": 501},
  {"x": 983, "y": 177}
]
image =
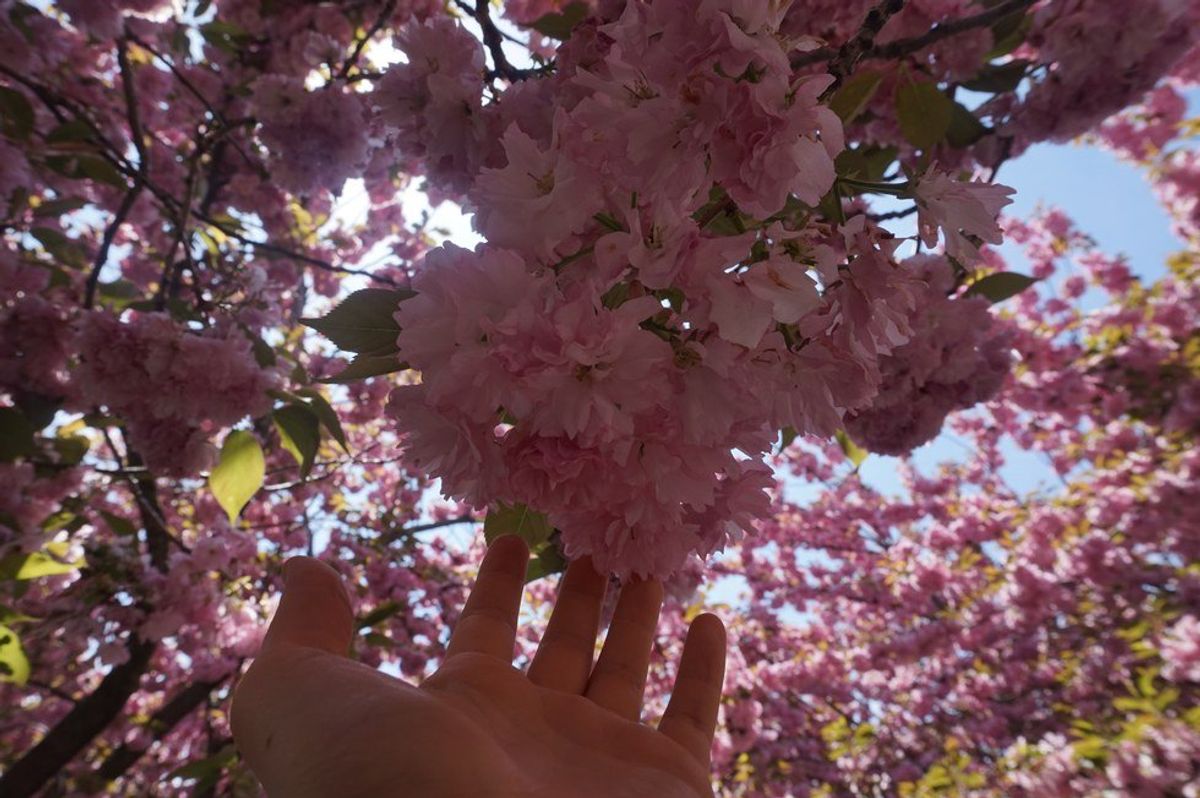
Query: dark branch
[
  {"x": 88, "y": 718},
  {"x": 944, "y": 30},
  {"x": 493, "y": 40},
  {"x": 850, "y": 53},
  {"x": 110, "y": 233},
  {"x": 883, "y": 217},
  {"x": 409, "y": 531},
  {"x": 132, "y": 113},
  {"x": 184, "y": 703},
  {"x": 903, "y": 47}
]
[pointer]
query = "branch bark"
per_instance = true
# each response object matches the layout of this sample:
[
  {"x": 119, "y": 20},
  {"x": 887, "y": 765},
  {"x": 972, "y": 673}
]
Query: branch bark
[
  {"x": 184, "y": 703},
  {"x": 79, "y": 727}
]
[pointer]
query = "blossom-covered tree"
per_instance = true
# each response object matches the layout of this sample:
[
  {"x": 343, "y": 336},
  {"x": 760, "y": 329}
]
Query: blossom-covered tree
[{"x": 226, "y": 338}]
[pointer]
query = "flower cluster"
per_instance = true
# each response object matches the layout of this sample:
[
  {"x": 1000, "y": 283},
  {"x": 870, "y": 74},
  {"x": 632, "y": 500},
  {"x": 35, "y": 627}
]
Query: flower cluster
[
  {"x": 317, "y": 139},
  {"x": 173, "y": 389},
  {"x": 957, "y": 357},
  {"x": 607, "y": 358}
]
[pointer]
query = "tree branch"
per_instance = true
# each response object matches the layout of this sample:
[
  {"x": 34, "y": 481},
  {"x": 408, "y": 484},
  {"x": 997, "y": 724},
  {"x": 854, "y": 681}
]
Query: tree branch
[
  {"x": 902, "y": 47},
  {"x": 850, "y": 53},
  {"x": 110, "y": 233},
  {"x": 161, "y": 723},
  {"x": 409, "y": 531},
  {"x": 944, "y": 30},
  {"x": 493, "y": 40},
  {"x": 89, "y": 717}
]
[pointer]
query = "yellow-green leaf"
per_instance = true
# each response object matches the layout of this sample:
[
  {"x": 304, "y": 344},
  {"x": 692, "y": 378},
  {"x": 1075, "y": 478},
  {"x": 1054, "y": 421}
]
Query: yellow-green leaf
[
  {"x": 14, "y": 665},
  {"x": 36, "y": 565},
  {"x": 239, "y": 474},
  {"x": 517, "y": 519},
  {"x": 854, "y": 453}
]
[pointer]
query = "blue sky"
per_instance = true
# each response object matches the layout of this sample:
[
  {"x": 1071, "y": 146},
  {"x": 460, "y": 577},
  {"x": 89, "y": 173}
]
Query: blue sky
[{"x": 1110, "y": 200}]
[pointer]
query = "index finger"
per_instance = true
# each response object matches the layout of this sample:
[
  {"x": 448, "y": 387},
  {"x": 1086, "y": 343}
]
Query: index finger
[{"x": 488, "y": 624}]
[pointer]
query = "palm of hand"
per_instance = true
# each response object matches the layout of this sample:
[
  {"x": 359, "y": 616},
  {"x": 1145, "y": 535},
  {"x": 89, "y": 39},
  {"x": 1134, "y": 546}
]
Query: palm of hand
[{"x": 313, "y": 723}]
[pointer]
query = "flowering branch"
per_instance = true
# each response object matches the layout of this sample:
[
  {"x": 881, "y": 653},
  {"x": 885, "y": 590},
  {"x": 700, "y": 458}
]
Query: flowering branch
[
  {"x": 944, "y": 30},
  {"x": 902, "y": 47}
]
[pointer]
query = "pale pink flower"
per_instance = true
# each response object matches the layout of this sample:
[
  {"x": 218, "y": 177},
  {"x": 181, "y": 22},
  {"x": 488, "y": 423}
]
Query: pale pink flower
[{"x": 963, "y": 210}]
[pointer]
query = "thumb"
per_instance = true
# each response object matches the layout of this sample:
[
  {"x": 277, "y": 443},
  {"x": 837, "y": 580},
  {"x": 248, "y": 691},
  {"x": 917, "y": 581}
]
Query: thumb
[{"x": 314, "y": 611}]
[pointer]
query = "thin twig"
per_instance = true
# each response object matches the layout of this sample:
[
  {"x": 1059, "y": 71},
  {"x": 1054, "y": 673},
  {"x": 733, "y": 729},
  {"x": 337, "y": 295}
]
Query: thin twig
[
  {"x": 139, "y": 177},
  {"x": 409, "y": 531},
  {"x": 110, "y": 233},
  {"x": 912, "y": 44},
  {"x": 944, "y": 30},
  {"x": 380, "y": 21}
]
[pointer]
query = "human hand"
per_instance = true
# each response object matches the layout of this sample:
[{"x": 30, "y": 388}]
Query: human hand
[{"x": 312, "y": 722}]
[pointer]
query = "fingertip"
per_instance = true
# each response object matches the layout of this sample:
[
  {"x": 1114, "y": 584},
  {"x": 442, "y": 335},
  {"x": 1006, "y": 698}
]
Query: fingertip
[
  {"x": 709, "y": 626},
  {"x": 315, "y": 609}
]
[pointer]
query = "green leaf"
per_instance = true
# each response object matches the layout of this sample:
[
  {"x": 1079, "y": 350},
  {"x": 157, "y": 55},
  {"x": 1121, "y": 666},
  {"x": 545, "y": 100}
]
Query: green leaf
[
  {"x": 206, "y": 772},
  {"x": 119, "y": 525},
  {"x": 58, "y": 207},
  {"x": 75, "y": 131},
  {"x": 831, "y": 206},
  {"x": 998, "y": 78},
  {"x": 224, "y": 35},
  {"x": 364, "y": 366},
  {"x": 517, "y": 519},
  {"x": 40, "y": 410},
  {"x": 87, "y": 167},
  {"x": 1092, "y": 747},
  {"x": 71, "y": 449},
  {"x": 866, "y": 163},
  {"x": 1008, "y": 33},
  {"x": 17, "y": 119},
  {"x": 852, "y": 97},
  {"x": 16, "y": 435},
  {"x": 364, "y": 322},
  {"x": 786, "y": 436},
  {"x": 239, "y": 474},
  {"x": 63, "y": 248},
  {"x": 965, "y": 128},
  {"x": 1000, "y": 286},
  {"x": 101, "y": 171},
  {"x": 854, "y": 453},
  {"x": 14, "y": 665},
  {"x": 329, "y": 417},
  {"x": 559, "y": 25},
  {"x": 300, "y": 432},
  {"x": 923, "y": 112},
  {"x": 380, "y": 614},
  {"x": 548, "y": 561},
  {"x": 36, "y": 565},
  {"x": 616, "y": 295}
]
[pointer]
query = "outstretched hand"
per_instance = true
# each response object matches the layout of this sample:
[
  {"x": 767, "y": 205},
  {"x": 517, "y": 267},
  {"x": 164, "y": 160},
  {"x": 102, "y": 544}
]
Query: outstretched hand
[{"x": 312, "y": 722}]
